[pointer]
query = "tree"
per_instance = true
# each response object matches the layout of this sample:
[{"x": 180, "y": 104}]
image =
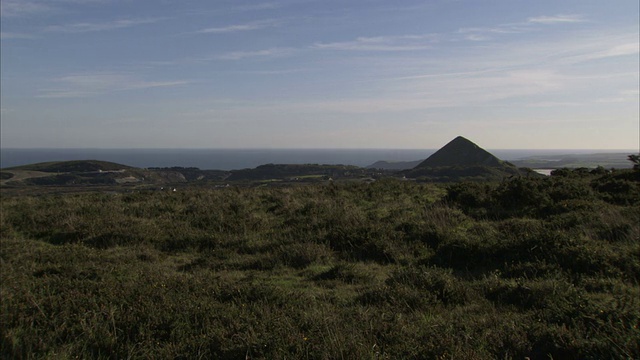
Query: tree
[{"x": 635, "y": 159}]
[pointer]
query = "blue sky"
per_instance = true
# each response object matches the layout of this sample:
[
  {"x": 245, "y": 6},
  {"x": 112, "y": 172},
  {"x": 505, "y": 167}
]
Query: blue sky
[{"x": 319, "y": 74}]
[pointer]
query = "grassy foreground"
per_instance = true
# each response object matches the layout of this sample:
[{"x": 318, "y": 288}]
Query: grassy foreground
[{"x": 539, "y": 268}]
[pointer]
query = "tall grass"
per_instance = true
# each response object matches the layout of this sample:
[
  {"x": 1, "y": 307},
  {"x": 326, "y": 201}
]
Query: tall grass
[{"x": 385, "y": 270}]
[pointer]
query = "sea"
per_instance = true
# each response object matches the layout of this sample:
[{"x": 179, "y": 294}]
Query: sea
[{"x": 234, "y": 159}]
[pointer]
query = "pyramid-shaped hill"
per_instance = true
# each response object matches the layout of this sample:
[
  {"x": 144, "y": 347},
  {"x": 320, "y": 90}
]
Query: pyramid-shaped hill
[
  {"x": 461, "y": 159},
  {"x": 460, "y": 152}
]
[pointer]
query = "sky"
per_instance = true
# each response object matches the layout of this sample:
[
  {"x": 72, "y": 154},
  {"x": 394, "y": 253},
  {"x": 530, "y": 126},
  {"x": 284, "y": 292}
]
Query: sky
[{"x": 506, "y": 74}]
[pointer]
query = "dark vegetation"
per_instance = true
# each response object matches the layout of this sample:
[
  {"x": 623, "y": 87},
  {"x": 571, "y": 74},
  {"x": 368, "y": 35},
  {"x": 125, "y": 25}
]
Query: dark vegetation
[
  {"x": 461, "y": 152},
  {"x": 524, "y": 267},
  {"x": 289, "y": 171},
  {"x": 458, "y": 160},
  {"x": 93, "y": 178},
  {"x": 467, "y": 173},
  {"x": 73, "y": 166},
  {"x": 92, "y": 172},
  {"x": 394, "y": 165},
  {"x": 461, "y": 159}
]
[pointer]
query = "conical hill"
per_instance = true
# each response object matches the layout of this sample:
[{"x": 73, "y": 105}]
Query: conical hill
[
  {"x": 462, "y": 160},
  {"x": 460, "y": 152}
]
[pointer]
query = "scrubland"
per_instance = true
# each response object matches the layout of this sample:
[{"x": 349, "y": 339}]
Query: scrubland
[{"x": 525, "y": 267}]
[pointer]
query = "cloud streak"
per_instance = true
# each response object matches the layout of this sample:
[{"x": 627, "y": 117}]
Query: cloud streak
[
  {"x": 11, "y": 35},
  {"x": 531, "y": 24},
  {"x": 382, "y": 43},
  {"x": 24, "y": 8},
  {"x": 18, "y": 8},
  {"x": 258, "y": 7},
  {"x": 265, "y": 53},
  {"x": 556, "y": 19},
  {"x": 88, "y": 85},
  {"x": 479, "y": 90},
  {"x": 616, "y": 50},
  {"x": 100, "y": 26},
  {"x": 256, "y": 25}
]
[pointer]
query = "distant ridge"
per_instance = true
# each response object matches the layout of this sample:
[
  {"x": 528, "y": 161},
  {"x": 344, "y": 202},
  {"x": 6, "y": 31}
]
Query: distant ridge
[
  {"x": 394, "y": 165},
  {"x": 460, "y": 152},
  {"x": 73, "y": 166}
]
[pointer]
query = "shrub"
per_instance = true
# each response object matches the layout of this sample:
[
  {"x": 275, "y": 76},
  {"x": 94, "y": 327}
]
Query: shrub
[
  {"x": 434, "y": 282},
  {"x": 384, "y": 270}
]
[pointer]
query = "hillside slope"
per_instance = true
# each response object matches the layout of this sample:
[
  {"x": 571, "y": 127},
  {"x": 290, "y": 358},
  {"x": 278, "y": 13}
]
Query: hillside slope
[
  {"x": 461, "y": 159},
  {"x": 460, "y": 152},
  {"x": 72, "y": 166}
]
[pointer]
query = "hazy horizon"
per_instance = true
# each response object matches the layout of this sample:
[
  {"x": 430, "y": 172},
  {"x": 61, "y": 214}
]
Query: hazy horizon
[
  {"x": 228, "y": 159},
  {"x": 311, "y": 74},
  {"x": 309, "y": 148}
]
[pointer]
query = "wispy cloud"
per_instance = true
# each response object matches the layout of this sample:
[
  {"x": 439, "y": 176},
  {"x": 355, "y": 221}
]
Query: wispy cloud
[
  {"x": 500, "y": 29},
  {"x": 623, "y": 96},
  {"x": 17, "y": 8},
  {"x": 382, "y": 43},
  {"x": 481, "y": 88},
  {"x": 471, "y": 91},
  {"x": 599, "y": 47},
  {"x": 11, "y": 35},
  {"x": 539, "y": 75},
  {"x": 84, "y": 2},
  {"x": 489, "y": 33},
  {"x": 239, "y": 55},
  {"x": 100, "y": 26},
  {"x": 617, "y": 50},
  {"x": 88, "y": 85},
  {"x": 256, "y": 25},
  {"x": 558, "y": 54},
  {"x": 531, "y": 24},
  {"x": 257, "y": 7},
  {"x": 556, "y": 19},
  {"x": 22, "y": 8},
  {"x": 420, "y": 42},
  {"x": 273, "y": 72},
  {"x": 551, "y": 104}
]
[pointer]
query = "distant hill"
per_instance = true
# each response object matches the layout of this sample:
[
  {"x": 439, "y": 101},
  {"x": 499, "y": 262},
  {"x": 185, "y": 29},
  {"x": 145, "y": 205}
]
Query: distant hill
[
  {"x": 73, "y": 166},
  {"x": 460, "y": 152},
  {"x": 93, "y": 172},
  {"x": 461, "y": 159},
  {"x": 77, "y": 172}
]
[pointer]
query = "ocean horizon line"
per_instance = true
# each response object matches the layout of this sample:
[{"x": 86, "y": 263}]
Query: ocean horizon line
[
  {"x": 303, "y": 148},
  {"x": 242, "y": 158}
]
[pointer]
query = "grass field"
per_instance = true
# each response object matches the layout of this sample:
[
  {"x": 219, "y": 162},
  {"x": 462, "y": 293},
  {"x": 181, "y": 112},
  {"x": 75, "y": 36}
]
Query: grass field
[{"x": 538, "y": 268}]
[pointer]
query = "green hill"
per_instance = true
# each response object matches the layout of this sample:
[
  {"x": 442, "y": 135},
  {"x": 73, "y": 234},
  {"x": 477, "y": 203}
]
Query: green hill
[
  {"x": 73, "y": 166},
  {"x": 460, "y": 152},
  {"x": 76, "y": 172},
  {"x": 461, "y": 159}
]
